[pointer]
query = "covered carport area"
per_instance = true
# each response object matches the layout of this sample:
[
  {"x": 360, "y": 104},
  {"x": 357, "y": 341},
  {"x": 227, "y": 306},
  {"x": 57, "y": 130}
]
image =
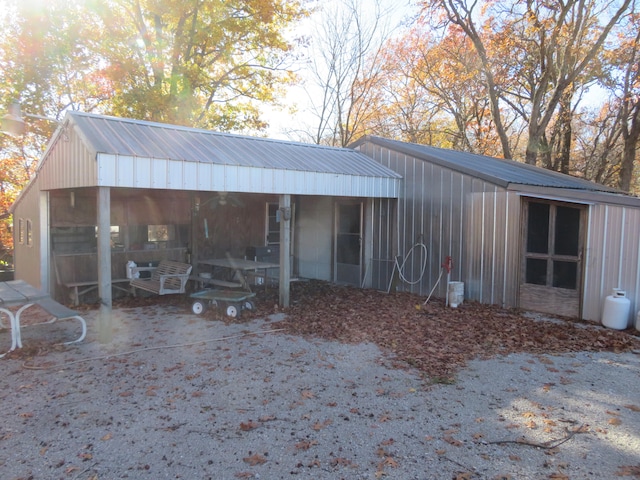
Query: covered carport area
[{"x": 210, "y": 192}]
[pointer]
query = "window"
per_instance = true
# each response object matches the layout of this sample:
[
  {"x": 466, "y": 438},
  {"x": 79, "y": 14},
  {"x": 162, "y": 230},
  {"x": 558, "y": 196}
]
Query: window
[
  {"x": 117, "y": 241},
  {"x": 20, "y": 231},
  {"x": 29, "y": 233},
  {"x": 160, "y": 233},
  {"x": 553, "y": 245},
  {"x": 273, "y": 224}
]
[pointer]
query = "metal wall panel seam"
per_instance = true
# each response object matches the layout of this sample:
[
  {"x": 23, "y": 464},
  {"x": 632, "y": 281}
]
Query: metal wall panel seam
[
  {"x": 441, "y": 212},
  {"x": 586, "y": 267},
  {"x": 482, "y": 242},
  {"x": 423, "y": 196},
  {"x": 631, "y": 261},
  {"x": 614, "y": 245},
  {"x": 493, "y": 247},
  {"x": 450, "y": 219},
  {"x": 460, "y": 233},
  {"x": 621, "y": 255},
  {"x": 413, "y": 225},
  {"x": 604, "y": 249},
  {"x": 401, "y": 207},
  {"x": 418, "y": 233},
  {"x": 637, "y": 291},
  {"x": 505, "y": 252}
]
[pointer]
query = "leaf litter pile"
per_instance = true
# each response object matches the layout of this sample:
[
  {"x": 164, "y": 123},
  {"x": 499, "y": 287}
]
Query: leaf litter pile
[{"x": 433, "y": 338}]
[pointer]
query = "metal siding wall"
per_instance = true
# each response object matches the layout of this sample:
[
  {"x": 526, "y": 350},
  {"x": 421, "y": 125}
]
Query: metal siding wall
[
  {"x": 512, "y": 251},
  {"x": 383, "y": 234},
  {"x": 457, "y": 227},
  {"x": 432, "y": 199},
  {"x": 612, "y": 258},
  {"x": 495, "y": 280},
  {"x": 67, "y": 164},
  {"x": 27, "y": 258},
  {"x": 479, "y": 225},
  {"x": 140, "y": 172},
  {"x": 474, "y": 222},
  {"x": 384, "y": 227},
  {"x": 501, "y": 233},
  {"x": 630, "y": 259},
  {"x": 492, "y": 244},
  {"x": 473, "y": 239}
]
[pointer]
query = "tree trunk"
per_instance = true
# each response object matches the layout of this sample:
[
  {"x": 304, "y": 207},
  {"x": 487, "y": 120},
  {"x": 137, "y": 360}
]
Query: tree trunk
[
  {"x": 533, "y": 146},
  {"x": 564, "y": 132},
  {"x": 629, "y": 153}
]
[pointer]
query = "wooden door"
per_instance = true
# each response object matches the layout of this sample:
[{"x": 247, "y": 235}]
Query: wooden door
[{"x": 552, "y": 267}]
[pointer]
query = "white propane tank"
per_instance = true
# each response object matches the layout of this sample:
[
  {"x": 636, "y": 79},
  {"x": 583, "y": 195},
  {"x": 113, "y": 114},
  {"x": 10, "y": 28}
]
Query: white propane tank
[
  {"x": 616, "y": 310},
  {"x": 638, "y": 321}
]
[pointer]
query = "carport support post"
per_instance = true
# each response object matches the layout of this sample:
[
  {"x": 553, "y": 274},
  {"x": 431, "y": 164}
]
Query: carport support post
[
  {"x": 105, "y": 330},
  {"x": 285, "y": 248}
]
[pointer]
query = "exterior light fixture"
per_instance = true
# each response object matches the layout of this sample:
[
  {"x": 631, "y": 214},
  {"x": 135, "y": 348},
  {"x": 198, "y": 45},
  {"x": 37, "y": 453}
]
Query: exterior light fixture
[{"x": 13, "y": 122}]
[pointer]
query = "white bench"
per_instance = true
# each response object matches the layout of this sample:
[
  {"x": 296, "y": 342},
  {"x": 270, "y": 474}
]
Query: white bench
[
  {"x": 60, "y": 312},
  {"x": 167, "y": 278}
]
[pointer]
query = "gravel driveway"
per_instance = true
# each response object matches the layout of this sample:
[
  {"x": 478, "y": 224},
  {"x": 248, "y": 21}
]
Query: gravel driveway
[{"x": 180, "y": 396}]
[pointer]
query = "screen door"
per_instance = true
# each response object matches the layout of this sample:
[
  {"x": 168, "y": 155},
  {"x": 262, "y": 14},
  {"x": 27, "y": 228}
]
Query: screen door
[{"x": 552, "y": 261}]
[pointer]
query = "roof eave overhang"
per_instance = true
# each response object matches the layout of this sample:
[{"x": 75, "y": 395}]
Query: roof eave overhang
[
  {"x": 142, "y": 172},
  {"x": 568, "y": 195}
]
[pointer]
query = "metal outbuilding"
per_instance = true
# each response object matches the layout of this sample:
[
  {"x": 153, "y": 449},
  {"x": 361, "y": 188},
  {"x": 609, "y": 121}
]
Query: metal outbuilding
[
  {"x": 111, "y": 190},
  {"x": 382, "y": 213},
  {"x": 518, "y": 235}
]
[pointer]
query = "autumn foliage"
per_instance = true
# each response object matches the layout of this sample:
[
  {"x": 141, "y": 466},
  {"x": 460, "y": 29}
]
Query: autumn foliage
[{"x": 12, "y": 177}]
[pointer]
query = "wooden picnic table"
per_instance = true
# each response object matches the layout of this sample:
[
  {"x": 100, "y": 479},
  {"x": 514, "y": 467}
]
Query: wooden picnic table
[{"x": 238, "y": 265}]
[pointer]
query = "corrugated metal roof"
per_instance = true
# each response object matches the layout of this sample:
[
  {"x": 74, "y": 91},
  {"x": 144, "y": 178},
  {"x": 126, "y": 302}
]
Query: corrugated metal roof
[
  {"x": 126, "y": 137},
  {"x": 501, "y": 172}
]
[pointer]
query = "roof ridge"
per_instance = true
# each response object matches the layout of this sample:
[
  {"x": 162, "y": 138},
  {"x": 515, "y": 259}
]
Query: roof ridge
[{"x": 204, "y": 131}]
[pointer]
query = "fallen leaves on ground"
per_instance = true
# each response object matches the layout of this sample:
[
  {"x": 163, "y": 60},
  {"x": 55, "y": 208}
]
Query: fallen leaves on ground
[
  {"x": 629, "y": 471},
  {"x": 255, "y": 459},
  {"x": 434, "y": 338}
]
